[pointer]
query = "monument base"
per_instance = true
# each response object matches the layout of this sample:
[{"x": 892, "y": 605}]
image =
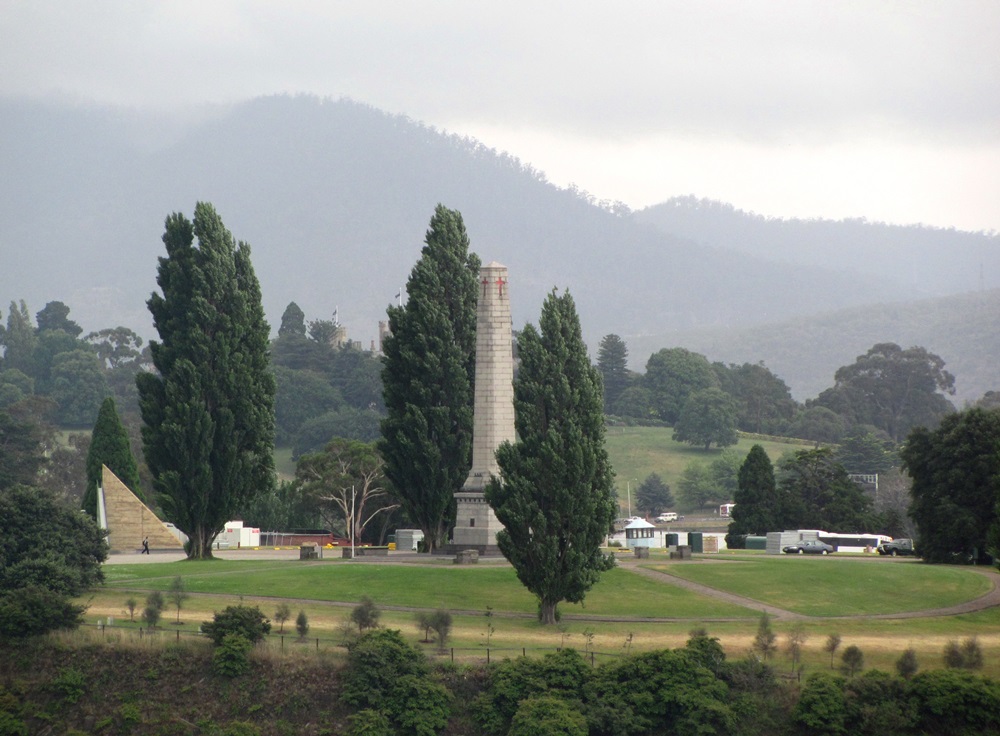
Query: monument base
[{"x": 476, "y": 525}]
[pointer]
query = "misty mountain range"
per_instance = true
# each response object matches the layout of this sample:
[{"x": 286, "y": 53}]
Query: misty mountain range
[{"x": 335, "y": 197}]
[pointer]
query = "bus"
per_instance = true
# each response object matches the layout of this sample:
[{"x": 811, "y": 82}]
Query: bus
[
  {"x": 853, "y": 542},
  {"x": 726, "y": 509}
]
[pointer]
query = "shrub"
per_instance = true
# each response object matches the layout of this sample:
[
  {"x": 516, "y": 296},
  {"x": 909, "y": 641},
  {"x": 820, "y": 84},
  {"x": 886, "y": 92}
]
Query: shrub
[
  {"x": 425, "y": 622},
  {"x": 548, "y": 715},
  {"x": 376, "y": 661},
  {"x": 70, "y": 684},
  {"x": 659, "y": 692},
  {"x": 369, "y": 722},
  {"x": 852, "y": 660},
  {"x": 247, "y": 621},
  {"x": 821, "y": 707},
  {"x": 302, "y": 624},
  {"x": 441, "y": 623},
  {"x": 952, "y": 655},
  {"x": 419, "y": 705},
  {"x": 282, "y": 614},
  {"x": 240, "y": 728},
  {"x": 385, "y": 673},
  {"x": 366, "y": 614},
  {"x": 955, "y": 702},
  {"x": 906, "y": 665},
  {"x": 151, "y": 616},
  {"x": 972, "y": 654},
  {"x": 11, "y": 725},
  {"x": 232, "y": 656},
  {"x": 32, "y": 611},
  {"x": 154, "y": 609},
  {"x": 765, "y": 642}
]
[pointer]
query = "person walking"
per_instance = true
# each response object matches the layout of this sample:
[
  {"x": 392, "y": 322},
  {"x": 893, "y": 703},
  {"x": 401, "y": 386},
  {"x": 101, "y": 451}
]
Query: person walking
[{"x": 145, "y": 545}]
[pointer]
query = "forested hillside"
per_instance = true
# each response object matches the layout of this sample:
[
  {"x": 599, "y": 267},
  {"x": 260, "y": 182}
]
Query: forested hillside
[
  {"x": 963, "y": 329},
  {"x": 334, "y": 198}
]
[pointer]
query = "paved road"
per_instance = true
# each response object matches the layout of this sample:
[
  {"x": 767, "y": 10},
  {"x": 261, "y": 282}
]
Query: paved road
[{"x": 989, "y": 600}]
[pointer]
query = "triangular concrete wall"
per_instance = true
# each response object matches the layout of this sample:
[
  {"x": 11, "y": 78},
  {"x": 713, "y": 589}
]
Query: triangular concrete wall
[{"x": 129, "y": 520}]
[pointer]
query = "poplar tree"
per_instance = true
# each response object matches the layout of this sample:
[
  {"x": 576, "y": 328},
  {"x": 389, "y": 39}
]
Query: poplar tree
[
  {"x": 554, "y": 494},
  {"x": 208, "y": 411},
  {"x": 109, "y": 445},
  {"x": 428, "y": 379}
]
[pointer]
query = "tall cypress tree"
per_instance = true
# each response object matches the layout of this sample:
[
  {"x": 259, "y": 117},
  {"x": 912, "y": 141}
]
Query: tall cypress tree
[
  {"x": 612, "y": 362},
  {"x": 109, "y": 445},
  {"x": 208, "y": 412},
  {"x": 428, "y": 379},
  {"x": 554, "y": 494},
  {"x": 758, "y": 508}
]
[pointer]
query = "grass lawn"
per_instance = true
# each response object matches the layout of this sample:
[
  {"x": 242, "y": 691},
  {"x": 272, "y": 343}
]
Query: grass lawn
[
  {"x": 619, "y": 593},
  {"x": 635, "y": 452},
  {"x": 843, "y": 585},
  {"x": 831, "y": 586}
]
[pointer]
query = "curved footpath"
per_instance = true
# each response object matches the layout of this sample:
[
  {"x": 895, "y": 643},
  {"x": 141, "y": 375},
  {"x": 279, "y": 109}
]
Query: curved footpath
[{"x": 989, "y": 600}]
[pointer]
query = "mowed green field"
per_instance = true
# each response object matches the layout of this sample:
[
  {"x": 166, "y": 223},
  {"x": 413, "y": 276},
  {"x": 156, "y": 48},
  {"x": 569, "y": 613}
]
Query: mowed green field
[
  {"x": 635, "y": 452},
  {"x": 830, "y": 586},
  {"x": 813, "y": 586},
  {"x": 625, "y": 608},
  {"x": 620, "y": 593}
]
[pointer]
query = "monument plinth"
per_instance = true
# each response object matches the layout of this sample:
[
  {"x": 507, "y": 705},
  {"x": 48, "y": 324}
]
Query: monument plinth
[{"x": 476, "y": 525}]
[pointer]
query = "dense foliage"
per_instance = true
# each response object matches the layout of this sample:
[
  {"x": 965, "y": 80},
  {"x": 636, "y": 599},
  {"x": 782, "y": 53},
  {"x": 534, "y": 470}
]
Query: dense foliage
[
  {"x": 428, "y": 379},
  {"x": 956, "y": 486},
  {"x": 208, "y": 411},
  {"x": 892, "y": 389},
  {"x": 554, "y": 494},
  {"x": 49, "y": 554}
]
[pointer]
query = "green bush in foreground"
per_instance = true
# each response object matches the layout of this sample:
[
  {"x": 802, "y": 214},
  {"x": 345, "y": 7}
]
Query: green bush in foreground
[
  {"x": 548, "y": 715},
  {"x": 247, "y": 621},
  {"x": 232, "y": 657},
  {"x": 386, "y": 674}
]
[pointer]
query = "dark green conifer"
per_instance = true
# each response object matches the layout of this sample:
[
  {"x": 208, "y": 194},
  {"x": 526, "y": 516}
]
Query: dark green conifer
[
  {"x": 554, "y": 496},
  {"x": 208, "y": 411},
  {"x": 428, "y": 377},
  {"x": 109, "y": 445}
]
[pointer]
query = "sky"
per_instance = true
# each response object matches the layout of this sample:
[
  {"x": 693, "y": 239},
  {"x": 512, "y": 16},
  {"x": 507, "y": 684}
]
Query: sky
[{"x": 789, "y": 108}]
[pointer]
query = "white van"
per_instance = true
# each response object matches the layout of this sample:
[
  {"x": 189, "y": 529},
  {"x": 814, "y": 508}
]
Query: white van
[{"x": 668, "y": 516}]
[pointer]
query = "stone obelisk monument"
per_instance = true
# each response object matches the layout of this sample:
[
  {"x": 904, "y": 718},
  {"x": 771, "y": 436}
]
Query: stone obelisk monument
[{"x": 476, "y": 525}]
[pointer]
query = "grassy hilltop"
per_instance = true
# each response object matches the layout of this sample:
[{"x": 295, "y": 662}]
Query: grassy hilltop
[{"x": 636, "y": 452}]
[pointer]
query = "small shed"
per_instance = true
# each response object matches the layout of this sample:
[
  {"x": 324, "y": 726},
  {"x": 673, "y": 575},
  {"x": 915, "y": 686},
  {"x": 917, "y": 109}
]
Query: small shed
[
  {"x": 639, "y": 533},
  {"x": 407, "y": 539}
]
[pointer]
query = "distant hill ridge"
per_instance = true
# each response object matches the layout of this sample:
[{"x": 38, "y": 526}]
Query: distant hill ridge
[
  {"x": 335, "y": 196},
  {"x": 963, "y": 329}
]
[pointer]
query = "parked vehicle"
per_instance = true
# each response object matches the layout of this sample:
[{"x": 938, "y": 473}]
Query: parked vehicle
[
  {"x": 809, "y": 547},
  {"x": 896, "y": 547},
  {"x": 666, "y": 517}
]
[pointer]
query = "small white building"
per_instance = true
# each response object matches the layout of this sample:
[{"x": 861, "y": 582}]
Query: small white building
[
  {"x": 640, "y": 533},
  {"x": 235, "y": 536}
]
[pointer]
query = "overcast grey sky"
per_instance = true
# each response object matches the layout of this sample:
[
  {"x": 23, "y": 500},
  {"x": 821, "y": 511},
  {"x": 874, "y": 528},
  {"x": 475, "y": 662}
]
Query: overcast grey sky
[{"x": 885, "y": 110}]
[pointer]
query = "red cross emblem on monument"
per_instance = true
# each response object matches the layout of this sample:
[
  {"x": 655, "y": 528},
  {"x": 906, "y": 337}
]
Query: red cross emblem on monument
[
  {"x": 486, "y": 283},
  {"x": 500, "y": 284}
]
